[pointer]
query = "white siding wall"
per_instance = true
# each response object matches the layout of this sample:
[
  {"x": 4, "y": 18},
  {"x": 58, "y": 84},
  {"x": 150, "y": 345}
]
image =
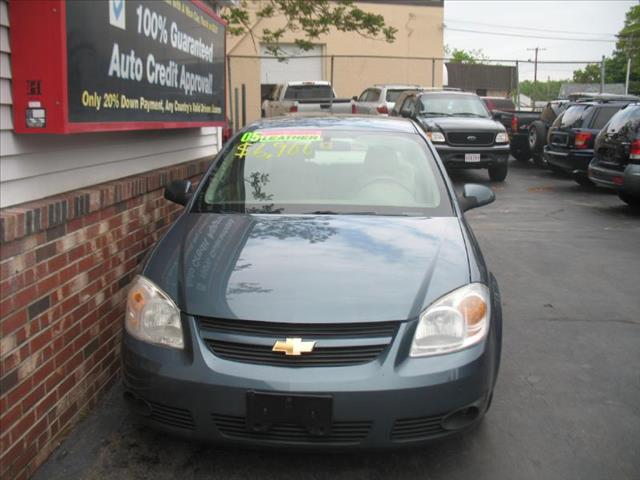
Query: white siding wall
[{"x": 38, "y": 166}]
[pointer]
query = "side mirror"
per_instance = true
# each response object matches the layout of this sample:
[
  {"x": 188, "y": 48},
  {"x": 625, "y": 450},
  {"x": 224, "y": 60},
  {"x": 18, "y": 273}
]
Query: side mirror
[
  {"x": 354, "y": 98},
  {"x": 475, "y": 195},
  {"x": 178, "y": 191},
  {"x": 496, "y": 115}
]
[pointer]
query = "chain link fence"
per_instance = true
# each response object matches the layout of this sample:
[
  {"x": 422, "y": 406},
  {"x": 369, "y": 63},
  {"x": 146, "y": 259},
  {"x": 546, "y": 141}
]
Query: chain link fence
[{"x": 250, "y": 78}]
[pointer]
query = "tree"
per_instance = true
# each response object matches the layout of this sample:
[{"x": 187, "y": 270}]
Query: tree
[
  {"x": 465, "y": 56},
  {"x": 615, "y": 66},
  {"x": 541, "y": 90},
  {"x": 308, "y": 19}
]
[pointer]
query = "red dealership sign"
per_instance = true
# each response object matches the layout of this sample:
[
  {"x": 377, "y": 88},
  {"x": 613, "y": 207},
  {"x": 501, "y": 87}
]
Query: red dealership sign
[{"x": 91, "y": 66}]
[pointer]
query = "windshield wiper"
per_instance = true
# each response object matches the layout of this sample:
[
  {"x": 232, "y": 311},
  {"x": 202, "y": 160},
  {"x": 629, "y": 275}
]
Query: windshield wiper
[
  {"x": 436, "y": 114},
  {"x": 469, "y": 114},
  {"x": 331, "y": 212}
]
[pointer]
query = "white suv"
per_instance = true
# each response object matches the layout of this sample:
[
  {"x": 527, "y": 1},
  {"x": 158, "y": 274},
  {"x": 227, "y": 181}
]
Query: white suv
[{"x": 380, "y": 99}]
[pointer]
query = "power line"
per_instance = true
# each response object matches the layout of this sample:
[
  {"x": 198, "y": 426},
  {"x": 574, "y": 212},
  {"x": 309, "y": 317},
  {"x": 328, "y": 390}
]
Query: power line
[
  {"x": 517, "y": 27},
  {"x": 568, "y": 39}
]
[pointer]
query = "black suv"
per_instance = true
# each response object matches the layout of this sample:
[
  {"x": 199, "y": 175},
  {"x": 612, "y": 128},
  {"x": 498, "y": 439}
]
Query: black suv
[
  {"x": 461, "y": 130},
  {"x": 616, "y": 161},
  {"x": 570, "y": 139}
]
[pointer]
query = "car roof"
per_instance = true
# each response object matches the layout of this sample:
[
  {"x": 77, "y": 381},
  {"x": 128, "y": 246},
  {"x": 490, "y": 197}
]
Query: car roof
[
  {"x": 446, "y": 92},
  {"x": 338, "y": 122},
  {"x": 397, "y": 86},
  {"x": 600, "y": 103},
  {"x": 308, "y": 82}
]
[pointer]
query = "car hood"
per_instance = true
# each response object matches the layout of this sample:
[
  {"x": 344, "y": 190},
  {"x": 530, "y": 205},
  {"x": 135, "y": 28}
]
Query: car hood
[
  {"x": 309, "y": 269},
  {"x": 461, "y": 123}
]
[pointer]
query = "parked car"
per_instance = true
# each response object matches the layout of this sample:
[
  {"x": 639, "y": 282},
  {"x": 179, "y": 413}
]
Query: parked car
[
  {"x": 495, "y": 104},
  {"x": 321, "y": 288},
  {"x": 571, "y": 137},
  {"x": 380, "y": 99},
  {"x": 461, "y": 129},
  {"x": 616, "y": 161},
  {"x": 528, "y": 129},
  {"x": 305, "y": 97}
]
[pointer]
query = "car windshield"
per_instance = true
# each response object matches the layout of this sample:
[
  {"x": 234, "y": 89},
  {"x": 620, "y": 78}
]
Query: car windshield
[
  {"x": 453, "y": 105},
  {"x": 308, "y": 92},
  {"x": 320, "y": 171}
]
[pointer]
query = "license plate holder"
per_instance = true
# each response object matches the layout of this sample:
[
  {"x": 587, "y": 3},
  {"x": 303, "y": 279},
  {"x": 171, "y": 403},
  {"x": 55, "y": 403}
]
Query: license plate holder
[
  {"x": 313, "y": 412},
  {"x": 471, "y": 157}
]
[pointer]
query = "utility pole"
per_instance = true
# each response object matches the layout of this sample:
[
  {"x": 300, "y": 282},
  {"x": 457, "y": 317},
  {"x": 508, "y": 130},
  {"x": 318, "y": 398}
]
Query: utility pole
[
  {"x": 602, "y": 75},
  {"x": 626, "y": 82},
  {"x": 535, "y": 75}
]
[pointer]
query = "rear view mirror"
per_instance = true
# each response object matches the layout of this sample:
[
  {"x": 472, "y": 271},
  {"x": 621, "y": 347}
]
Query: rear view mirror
[
  {"x": 178, "y": 191},
  {"x": 475, "y": 195}
]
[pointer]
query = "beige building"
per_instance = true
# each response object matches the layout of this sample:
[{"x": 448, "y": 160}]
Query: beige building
[{"x": 351, "y": 61}]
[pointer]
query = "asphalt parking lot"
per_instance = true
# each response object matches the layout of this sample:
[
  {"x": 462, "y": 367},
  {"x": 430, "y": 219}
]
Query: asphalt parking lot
[{"x": 567, "y": 402}]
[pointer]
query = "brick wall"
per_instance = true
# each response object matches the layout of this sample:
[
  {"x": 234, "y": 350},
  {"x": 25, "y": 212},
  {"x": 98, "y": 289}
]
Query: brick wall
[{"x": 65, "y": 263}]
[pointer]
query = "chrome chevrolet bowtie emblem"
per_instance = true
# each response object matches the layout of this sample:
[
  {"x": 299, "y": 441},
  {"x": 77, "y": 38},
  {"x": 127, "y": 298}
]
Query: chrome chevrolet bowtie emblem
[{"x": 293, "y": 346}]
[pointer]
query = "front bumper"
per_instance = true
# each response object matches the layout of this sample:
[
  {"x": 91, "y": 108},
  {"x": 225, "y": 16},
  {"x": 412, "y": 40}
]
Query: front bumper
[
  {"x": 384, "y": 403},
  {"x": 568, "y": 161},
  {"x": 454, "y": 157},
  {"x": 626, "y": 181}
]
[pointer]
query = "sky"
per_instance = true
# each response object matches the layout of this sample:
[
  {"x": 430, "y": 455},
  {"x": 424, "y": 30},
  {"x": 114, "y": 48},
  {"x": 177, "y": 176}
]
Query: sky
[{"x": 555, "y": 26}]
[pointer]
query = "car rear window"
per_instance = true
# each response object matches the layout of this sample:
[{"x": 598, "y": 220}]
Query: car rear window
[
  {"x": 631, "y": 114},
  {"x": 501, "y": 104},
  {"x": 310, "y": 170},
  {"x": 308, "y": 92},
  {"x": 573, "y": 116},
  {"x": 393, "y": 95},
  {"x": 602, "y": 116}
]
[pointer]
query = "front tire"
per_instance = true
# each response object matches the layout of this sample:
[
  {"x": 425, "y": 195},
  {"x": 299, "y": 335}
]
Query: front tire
[
  {"x": 631, "y": 200},
  {"x": 499, "y": 172}
]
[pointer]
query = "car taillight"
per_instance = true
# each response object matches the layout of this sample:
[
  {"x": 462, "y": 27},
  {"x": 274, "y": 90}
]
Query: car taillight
[
  {"x": 293, "y": 109},
  {"x": 353, "y": 108},
  {"x": 382, "y": 109},
  {"x": 514, "y": 124},
  {"x": 582, "y": 139},
  {"x": 634, "y": 150}
]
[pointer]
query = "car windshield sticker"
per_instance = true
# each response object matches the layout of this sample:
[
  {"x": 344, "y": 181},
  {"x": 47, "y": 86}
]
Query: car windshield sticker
[
  {"x": 281, "y": 136},
  {"x": 277, "y": 144}
]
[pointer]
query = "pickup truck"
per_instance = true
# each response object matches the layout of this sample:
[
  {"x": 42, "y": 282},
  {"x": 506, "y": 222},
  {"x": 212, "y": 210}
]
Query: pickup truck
[
  {"x": 305, "y": 97},
  {"x": 517, "y": 124}
]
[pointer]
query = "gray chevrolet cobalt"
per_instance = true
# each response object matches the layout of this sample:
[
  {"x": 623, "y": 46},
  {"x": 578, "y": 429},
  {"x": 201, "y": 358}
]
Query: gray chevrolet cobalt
[{"x": 320, "y": 289}]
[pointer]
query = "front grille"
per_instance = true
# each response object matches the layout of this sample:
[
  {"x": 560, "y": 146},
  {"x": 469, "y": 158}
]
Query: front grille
[
  {"x": 342, "y": 433},
  {"x": 470, "y": 138},
  {"x": 172, "y": 416},
  {"x": 407, "y": 429},
  {"x": 336, "y": 344},
  {"x": 314, "y": 330},
  {"x": 262, "y": 354}
]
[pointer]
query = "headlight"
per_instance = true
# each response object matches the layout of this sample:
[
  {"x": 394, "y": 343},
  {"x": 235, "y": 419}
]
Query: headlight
[
  {"x": 436, "y": 137},
  {"x": 152, "y": 316},
  {"x": 454, "y": 322},
  {"x": 502, "y": 137}
]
